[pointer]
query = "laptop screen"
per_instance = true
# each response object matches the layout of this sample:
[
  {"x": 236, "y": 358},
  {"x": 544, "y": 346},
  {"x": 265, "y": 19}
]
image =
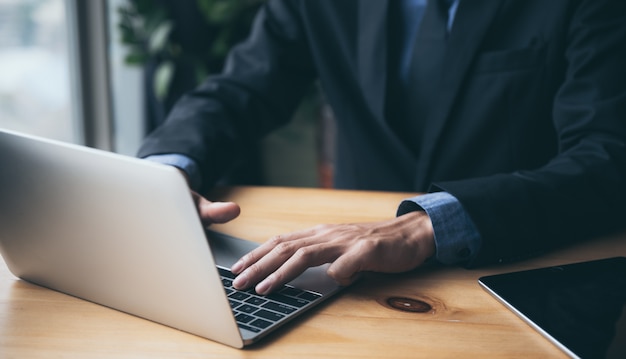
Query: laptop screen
[{"x": 580, "y": 307}]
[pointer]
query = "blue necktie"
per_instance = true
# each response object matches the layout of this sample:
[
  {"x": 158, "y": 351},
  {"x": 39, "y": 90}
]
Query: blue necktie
[
  {"x": 429, "y": 50},
  {"x": 414, "y": 95}
]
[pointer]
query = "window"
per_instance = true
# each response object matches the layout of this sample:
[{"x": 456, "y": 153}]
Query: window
[
  {"x": 63, "y": 76},
  {"x": 35, "y": 90},
  {"x": 126, "y": 89}
]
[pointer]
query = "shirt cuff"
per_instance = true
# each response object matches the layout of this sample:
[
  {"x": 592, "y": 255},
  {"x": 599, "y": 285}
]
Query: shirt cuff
[
  {"x": 456, "y": 238},
  {"x": 182, "y": 162}
]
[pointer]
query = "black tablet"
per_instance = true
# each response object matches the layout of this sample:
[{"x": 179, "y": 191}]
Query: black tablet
[{"x": 580, "y": 307}]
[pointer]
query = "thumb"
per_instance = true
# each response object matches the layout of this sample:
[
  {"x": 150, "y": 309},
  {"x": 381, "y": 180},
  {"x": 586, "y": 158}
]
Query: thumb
[
  {"x": 345, "y": 269},
  {"x": 215, "y": 212}
]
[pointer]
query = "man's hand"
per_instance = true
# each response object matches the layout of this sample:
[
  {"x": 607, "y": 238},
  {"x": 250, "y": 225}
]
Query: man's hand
[
  {"x": 215, "y": 212},
  {"x": 391, "y": 246}
]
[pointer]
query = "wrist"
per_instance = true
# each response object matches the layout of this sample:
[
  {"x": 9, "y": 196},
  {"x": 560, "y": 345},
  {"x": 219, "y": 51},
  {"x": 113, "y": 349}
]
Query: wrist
[
  {"x": 455, "y": 236},
  {"x": 416, "y": 227}
]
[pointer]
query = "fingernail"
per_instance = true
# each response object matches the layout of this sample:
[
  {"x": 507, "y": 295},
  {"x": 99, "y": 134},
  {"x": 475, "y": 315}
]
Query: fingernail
[
  {"x": 241, "y": 282},
  {"x": 237, "y": 267},
  {"x": 263, "y": 287}
]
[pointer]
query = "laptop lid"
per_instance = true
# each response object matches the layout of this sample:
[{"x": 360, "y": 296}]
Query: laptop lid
[
  {"x": 580, "y": 307},
  {"x": 118, "y": 231}
]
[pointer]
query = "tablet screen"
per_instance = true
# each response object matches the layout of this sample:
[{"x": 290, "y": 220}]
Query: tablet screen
[{"x": 579, "y": 307}]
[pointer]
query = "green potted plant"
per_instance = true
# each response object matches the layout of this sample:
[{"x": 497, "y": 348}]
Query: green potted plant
[{"x": 179, "y": 43}]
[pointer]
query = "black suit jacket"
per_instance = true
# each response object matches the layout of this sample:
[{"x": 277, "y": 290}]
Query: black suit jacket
[{"x": 528, "y": 129}]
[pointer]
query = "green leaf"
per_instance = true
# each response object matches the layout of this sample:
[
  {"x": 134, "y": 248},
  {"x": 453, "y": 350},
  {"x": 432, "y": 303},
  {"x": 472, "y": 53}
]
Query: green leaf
[
  {"x": 158, "y": 39},
  {"x": 135, "y": 58},
  {"x": 201, "y": 72},
  {"x": 162, "y": 79},
  {"x": 155, "y": 18},
  {"x": 223, "y": 12}
]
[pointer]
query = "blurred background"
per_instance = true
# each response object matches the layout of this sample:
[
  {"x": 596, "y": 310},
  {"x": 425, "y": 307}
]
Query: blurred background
[{"x": 104, "y": 73}]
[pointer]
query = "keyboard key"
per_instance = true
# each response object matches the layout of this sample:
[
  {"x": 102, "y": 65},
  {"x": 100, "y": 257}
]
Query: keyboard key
[
  {"x": 260, "y": 323},
  {"x": 245, "y": 308},
  {"x": 291, "y": 291},
  {"x": 255, "y": 300},
  {"x": 310, "y": 296},
  {"x": 233, "y": 303},
  {"x": 294, "y": 302},
  {"x": 281, "y": 308},
  {"x": 226, "y": 273},
  {"x": 243, "y": 318},
  {"x": 239, "y": 295},
  {"x": 266, "y": 314},
  {"x": 250, "y": 291}
]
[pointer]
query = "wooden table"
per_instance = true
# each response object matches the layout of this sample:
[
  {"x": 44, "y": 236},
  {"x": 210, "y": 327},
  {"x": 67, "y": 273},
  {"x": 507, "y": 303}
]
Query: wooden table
[{"x": 463, "y": 321}]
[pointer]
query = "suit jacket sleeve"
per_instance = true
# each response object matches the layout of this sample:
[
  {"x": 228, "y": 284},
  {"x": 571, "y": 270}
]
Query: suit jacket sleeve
[
  {"x": 263, "y": 81},
  {"x": 580, "y": 193}
]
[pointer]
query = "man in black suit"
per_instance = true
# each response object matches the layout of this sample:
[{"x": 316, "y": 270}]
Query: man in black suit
[{"x": 510, "y": 113}]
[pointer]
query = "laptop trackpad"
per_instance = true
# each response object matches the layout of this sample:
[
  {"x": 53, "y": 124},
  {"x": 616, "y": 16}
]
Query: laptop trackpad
[{"x": 228, "y": 249}]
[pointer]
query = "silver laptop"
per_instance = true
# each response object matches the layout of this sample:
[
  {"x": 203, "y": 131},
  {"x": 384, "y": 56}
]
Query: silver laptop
[{"x": 124, "y": 233}]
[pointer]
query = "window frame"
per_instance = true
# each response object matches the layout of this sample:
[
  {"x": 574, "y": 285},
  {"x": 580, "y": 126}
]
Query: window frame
[{"x": 90, "y": 81}]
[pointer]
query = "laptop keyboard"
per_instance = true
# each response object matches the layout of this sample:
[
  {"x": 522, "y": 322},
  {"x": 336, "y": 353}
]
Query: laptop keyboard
[{"x": 256, "y": 312}]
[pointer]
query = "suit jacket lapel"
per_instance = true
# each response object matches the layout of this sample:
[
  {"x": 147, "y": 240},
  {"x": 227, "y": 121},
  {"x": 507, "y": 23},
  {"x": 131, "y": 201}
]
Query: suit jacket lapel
[{"x": 472, "y": 20}]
